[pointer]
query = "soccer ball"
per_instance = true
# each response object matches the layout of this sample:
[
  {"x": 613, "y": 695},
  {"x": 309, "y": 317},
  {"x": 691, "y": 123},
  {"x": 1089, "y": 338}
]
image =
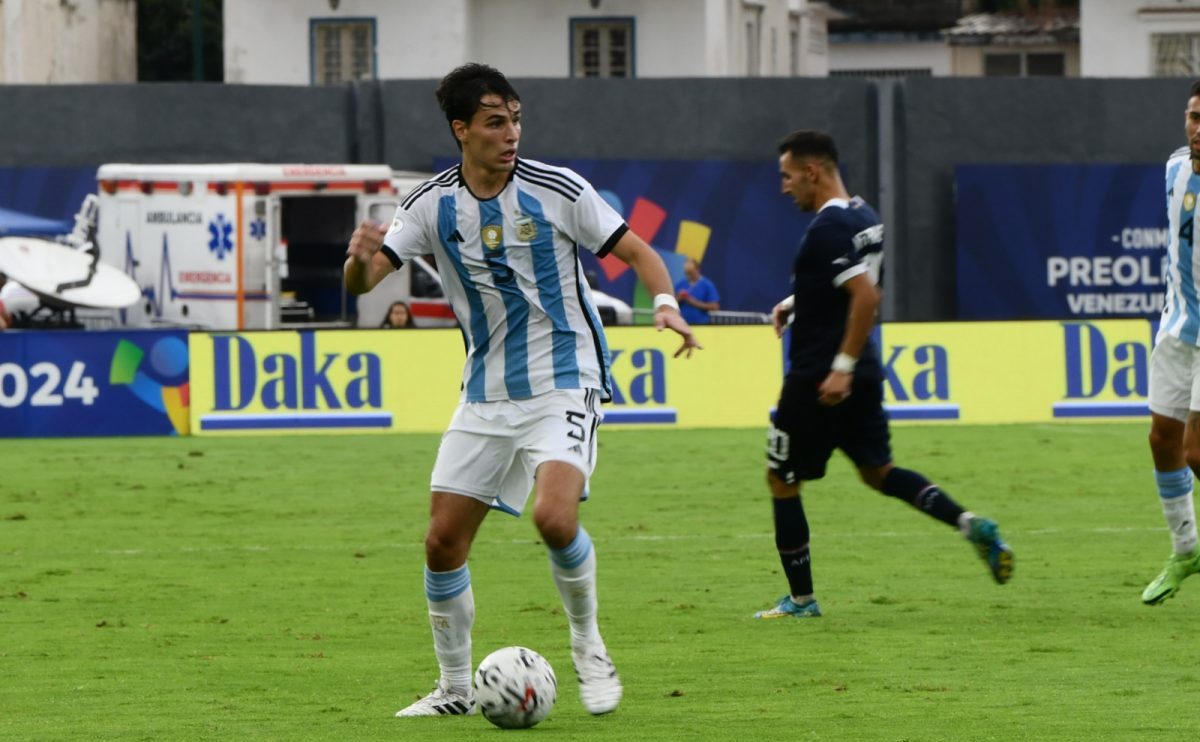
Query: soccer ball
[{"x": 515, "y": 687}]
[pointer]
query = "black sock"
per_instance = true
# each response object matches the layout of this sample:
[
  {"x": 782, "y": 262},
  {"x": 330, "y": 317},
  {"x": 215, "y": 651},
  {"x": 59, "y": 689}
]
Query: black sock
[
  {"x": 917, "y": 491},
  {"x": 791, "y": 539}
]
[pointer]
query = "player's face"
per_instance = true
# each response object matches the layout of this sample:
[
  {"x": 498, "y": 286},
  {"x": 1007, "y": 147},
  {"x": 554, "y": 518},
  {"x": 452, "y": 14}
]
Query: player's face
[
  {"x": 1193, "y": 128},
  {"x": 798, "y": 178},
  {"x": 490, "y": 139}
]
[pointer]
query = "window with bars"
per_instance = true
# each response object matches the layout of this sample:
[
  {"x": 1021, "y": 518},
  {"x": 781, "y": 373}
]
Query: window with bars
[
  {"x": 343, "y": 50},
  {"x": 602, "y": 47},
  {"x": 1176, "y": 54}
]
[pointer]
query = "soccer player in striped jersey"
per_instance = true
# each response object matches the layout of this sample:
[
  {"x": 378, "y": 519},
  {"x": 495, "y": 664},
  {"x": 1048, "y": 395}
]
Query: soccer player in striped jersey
[
  {"x": 505, "y": 232},
  {"x": 1174, "y": 381},
  {"x": 832, "y": 397}
]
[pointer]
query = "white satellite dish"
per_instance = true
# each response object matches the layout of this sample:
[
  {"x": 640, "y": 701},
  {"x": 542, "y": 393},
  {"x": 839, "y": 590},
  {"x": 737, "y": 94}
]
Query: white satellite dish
[{"x": 64, "y": 274}]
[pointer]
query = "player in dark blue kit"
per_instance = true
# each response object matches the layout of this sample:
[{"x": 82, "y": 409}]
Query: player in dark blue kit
[{"x": 832, "y": 397}]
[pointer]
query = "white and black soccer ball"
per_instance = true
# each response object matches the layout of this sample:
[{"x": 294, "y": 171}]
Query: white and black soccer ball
[{"x": 515, "y": 687}]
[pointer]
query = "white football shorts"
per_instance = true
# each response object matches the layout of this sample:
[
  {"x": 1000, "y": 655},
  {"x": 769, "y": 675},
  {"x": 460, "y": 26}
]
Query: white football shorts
[
  {"x": 1174, "y": 378},
  {"x": 492, "y": 450}
]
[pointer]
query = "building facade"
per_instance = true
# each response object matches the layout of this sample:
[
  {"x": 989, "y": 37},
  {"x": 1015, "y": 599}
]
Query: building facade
[
  {"x": 299, "y": 42},
  {"x": 81, "y": 41},
  {"x": 1140, "y": 38}
]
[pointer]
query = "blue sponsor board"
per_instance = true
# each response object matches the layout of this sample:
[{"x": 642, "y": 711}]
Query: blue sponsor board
[
  {"x": 1060, "y": 241},
  {"x": 76, "y": 383},
  {"x": 42, "y": 200}
]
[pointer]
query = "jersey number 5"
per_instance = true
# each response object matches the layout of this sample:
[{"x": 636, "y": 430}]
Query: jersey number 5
[{"x": 578, "y": 431}]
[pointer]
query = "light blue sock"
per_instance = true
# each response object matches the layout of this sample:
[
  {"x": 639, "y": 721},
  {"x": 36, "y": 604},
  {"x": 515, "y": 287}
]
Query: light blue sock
[
  {"x": 451, "y": 615},
  {"x": 574, "y": 571},
  {"x": 1175, "y": 494}
]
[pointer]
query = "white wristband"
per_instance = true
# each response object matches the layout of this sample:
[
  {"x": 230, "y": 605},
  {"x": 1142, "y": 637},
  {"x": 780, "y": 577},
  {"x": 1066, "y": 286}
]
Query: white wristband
[
  {"x": 844, "y": 363},
  {"x": 665, "y": 300}
]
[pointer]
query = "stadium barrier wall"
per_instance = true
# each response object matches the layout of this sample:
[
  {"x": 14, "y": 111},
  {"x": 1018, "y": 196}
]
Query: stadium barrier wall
[
  {"x": 66, "y": 383},
  {"x": 337, "y": 380},
  {"x": 1016, "y": 372},
  {"x": 79, "y": 383}
]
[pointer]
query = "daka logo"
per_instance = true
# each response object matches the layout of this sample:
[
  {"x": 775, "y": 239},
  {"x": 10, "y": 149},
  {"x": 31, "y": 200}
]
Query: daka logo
[
  {"x": 292, "y": 381},
  {"x": 917, "y": 382}
]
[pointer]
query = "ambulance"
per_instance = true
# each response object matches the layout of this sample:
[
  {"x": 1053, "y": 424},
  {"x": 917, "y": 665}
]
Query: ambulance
[{"x": 253, "y": 246}]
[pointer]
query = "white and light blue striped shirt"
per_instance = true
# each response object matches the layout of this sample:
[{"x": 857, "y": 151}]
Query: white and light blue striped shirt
[
  {"x": 1181, "y": 315},
  {"x": 510, "y": 269}
]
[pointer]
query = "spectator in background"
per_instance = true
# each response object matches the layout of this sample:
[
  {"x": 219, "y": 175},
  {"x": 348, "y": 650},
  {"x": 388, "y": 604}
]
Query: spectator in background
[
  {"x": 399, "y": 317},
  {"x": 696, "y": 294}
]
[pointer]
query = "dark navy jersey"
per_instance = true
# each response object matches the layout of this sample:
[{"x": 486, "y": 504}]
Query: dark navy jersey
[{"x": 844, "y": 240}]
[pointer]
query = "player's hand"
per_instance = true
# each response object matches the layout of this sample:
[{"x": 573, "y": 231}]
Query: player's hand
[
  {"x": 835, "y": 389},
  {"x": 366, "y": 241},
  {"x": 668, "y": 317},
  {"x": 779, "y": 317}
]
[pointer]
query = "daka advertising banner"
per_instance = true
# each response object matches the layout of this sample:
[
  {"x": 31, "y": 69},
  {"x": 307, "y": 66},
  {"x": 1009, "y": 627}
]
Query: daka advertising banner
[
  {"x": 1060, "y": 241},
  {"x": 79, "y": 383},
  {"x": 408, "y": 381},
  {"x": 1013, "y": 372}
]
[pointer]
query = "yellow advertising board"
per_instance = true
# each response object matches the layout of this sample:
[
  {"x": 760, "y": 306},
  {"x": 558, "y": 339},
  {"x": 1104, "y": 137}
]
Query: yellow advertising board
[
  {"x": 392, "y": 380},
  {"x": 1004, "y": 372}
]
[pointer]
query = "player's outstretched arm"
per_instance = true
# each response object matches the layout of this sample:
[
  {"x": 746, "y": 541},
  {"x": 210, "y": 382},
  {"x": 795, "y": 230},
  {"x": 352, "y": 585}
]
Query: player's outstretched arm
[
  {"x": 365, "y": 265},
  {"x": 652, "y": 272}
]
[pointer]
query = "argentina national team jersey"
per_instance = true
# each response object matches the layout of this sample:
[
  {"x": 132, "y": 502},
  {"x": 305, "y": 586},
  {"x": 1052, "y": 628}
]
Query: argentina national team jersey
[
  {"x": 1181, "y": 315},
  {"x": 510, "y": 269}
]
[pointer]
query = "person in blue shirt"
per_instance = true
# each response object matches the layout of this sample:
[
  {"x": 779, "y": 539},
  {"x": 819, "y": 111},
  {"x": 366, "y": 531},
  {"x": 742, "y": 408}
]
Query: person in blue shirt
[{"x": 696, "y": 294}]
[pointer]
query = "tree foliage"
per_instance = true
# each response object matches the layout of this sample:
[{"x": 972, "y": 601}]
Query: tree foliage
[{"x": 164, "y": 38}]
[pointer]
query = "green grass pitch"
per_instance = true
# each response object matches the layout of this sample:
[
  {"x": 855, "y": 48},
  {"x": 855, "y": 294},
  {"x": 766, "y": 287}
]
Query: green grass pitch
[{"x": 269, "y": 588}]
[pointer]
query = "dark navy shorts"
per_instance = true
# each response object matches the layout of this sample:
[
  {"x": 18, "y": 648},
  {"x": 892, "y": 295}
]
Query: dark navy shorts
[{"x": 805, "y": 432}]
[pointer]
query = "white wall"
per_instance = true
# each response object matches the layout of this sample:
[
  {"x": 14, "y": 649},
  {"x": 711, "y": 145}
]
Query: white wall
[
  {"x": 1114, "y": 38},
  {"x": 532, "y": 38},
  {"x": 268, "y": 41},
  {"x": 860, "y": 55},
  {"x": 84, "y": 41}
]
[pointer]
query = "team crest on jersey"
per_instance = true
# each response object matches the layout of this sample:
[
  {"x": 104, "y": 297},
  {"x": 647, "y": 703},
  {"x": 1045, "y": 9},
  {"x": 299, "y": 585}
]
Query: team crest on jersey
[
  {"x": 526, "y": 228},
  {"x": 1189, "y": 201},
  {"x": 492, "y": 235}
]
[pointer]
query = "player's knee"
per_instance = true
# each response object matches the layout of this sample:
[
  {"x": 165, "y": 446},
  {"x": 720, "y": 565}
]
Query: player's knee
[
  {"x": 556, "y": 526},
  {"x": 779, "y": 486},
  {"x": 873, "y": 476},
  {"x": 445, "y": 550}
]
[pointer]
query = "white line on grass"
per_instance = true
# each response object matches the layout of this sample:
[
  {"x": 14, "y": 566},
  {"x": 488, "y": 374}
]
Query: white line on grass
[{"x": 835, "y": 535}]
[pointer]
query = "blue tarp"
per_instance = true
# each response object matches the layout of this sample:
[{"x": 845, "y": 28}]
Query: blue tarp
[{"x": 16, "y": 223}]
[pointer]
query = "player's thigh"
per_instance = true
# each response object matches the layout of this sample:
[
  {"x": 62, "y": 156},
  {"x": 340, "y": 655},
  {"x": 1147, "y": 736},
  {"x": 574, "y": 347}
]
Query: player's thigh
[
  {"x": 862, "y": 424},
  {"x": 477, "y": 452},
  {"x": 800, "y": 439},
  {"x": 1174, "y": 386}
]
